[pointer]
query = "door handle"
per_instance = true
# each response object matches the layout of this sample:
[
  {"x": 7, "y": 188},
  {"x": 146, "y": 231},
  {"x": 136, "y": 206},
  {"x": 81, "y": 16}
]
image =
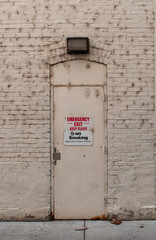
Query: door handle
[{"x": 56, "y": 156}]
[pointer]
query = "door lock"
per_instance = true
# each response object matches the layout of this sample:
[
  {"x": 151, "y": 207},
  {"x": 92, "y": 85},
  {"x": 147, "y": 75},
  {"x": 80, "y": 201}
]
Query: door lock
[{"x": 56, "y": 156}]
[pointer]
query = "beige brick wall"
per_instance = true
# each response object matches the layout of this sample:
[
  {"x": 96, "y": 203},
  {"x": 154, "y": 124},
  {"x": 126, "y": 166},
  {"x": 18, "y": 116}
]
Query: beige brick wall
[{"x": 33, "y": 36}]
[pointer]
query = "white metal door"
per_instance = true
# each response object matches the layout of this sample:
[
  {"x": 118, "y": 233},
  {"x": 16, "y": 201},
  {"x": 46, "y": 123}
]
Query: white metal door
[{"x": 80, "y": 173}]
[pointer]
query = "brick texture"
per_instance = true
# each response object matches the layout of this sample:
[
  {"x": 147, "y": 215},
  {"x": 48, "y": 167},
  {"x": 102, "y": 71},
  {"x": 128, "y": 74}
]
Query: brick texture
[{"x": 33, "y": 37}]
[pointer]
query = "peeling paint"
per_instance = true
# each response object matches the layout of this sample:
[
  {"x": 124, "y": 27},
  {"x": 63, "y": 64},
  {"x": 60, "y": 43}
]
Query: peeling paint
[
  {"x": 87, "y": 92},
  {"x": 97, "y": 92}
]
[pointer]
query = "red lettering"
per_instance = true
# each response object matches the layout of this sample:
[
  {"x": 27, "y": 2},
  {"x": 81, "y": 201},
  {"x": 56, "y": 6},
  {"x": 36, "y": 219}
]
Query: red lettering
[
  {"x": 73, "y": 128},
  {"x": 77, "y": 119},
  {"x": 82, "y": 128},
  {"x": 70, "y": 119},
  {"x": 77, "y": 123}
]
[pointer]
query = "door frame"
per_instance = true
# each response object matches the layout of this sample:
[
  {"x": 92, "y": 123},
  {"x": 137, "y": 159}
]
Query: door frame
[{"x": 52, "y": 110}]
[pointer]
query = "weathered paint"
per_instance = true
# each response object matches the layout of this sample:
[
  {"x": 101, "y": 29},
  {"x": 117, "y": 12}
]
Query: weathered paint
[
  {"x": 33, "y": 35},
  {"x": 79, "y": 181},
  {"x": 72, "y": 102},
  {"x": 78, "y": 73}
]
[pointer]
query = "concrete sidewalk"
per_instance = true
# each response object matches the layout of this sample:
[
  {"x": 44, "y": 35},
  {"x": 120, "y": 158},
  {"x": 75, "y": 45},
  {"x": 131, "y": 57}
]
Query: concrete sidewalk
[{"x": 78, "y": 230}]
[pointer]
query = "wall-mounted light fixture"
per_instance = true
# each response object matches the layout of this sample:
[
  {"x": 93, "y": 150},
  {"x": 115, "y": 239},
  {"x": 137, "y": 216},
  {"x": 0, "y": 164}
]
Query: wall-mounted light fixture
[{"x": 77, "y": 45}]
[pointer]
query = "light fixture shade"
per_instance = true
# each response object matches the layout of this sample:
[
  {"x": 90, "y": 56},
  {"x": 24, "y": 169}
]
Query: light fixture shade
[{"x": 78, "y": 45}]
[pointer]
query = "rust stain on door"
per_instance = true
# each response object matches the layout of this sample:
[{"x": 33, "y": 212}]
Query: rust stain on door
[{"x": 103, "y": 217}]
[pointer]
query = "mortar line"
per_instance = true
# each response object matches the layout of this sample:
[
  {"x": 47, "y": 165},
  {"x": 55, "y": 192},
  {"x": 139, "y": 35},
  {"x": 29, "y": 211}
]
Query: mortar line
[{"x": 84, "y": 232}]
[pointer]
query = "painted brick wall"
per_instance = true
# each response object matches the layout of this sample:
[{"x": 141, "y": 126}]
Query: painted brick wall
[{"x": 32, "y": 36}]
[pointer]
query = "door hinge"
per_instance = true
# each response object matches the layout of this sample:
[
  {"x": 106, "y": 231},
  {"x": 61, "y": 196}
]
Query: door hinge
[{"x": 56, "y": 156}]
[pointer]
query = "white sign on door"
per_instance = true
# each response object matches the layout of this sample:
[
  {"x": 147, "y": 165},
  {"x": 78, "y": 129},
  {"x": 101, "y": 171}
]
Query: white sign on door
[{"x": 78, "y": 131}]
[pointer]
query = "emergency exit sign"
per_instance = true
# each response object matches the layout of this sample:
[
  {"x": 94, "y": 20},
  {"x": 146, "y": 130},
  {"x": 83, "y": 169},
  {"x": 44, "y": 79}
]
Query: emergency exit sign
[{"x": 78, "y": 131}]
